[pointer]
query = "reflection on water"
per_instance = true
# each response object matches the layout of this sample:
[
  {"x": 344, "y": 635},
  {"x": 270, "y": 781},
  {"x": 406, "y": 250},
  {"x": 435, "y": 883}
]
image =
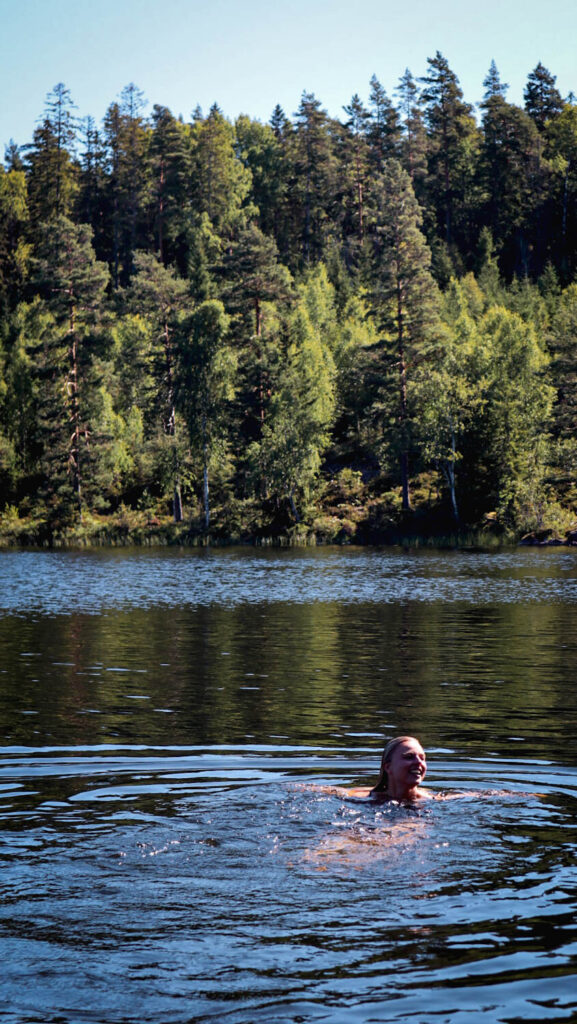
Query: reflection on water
[
  {"x": 222, "y": 885},
  {"x": 167, "y": 854}
]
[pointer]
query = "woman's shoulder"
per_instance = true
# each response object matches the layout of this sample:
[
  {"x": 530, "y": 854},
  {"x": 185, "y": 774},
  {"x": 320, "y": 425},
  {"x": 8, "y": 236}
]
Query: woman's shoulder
[{"x": 366, "y": 793}]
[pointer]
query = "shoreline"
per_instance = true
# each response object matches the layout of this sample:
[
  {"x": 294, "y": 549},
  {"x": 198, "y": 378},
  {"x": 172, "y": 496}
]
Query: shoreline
[{"x": 111, "y": 534}]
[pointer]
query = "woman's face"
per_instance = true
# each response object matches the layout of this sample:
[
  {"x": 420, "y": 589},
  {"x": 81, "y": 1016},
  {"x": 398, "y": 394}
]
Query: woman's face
[{"x": 407, "y": 766}]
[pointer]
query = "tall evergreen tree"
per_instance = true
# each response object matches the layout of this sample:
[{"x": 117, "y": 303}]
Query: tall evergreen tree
[
  {"x": 561, "y": 150},
  {"x": 92, "y": 182},
  {"x": 52, "y": 171},
  {"x": 404, "y": 298},
  {"x": 170, "y": 167},
  {"x": 313, "y": 194},
  {"x": 384, "y": 127},
  {"x": 73, "y": 283},
  {"x": 453, "y": 144},
  {"x": 413, "y": 146},
  {"x": 220, "y": 184},
  {"x": 160, "y": 296},
  {"x": 542, "y": 98},
  {"x": 509, "y": 174},
  {"x": 127, "y": 139},
  {"x": 355, "y": 161},
  {"x": 493, "y": 84}
]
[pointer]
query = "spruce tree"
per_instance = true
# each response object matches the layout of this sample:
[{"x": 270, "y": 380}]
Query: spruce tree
[
  {"x": 170, "y": 169},
  {"x": 413, "y": 144},
  {"x": 453, "y": 142},
  {"x": 543, "y": 100},
  {"x": 314, "y": 194},
  {"x": 127, "y": 140},
  {"x": 52, "y": 170}
]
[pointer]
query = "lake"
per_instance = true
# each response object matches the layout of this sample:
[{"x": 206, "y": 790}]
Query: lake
[{"x": 169, "y": 720}]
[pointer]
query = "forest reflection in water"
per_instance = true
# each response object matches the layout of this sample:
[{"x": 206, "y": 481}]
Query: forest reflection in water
[{"x": 165, "y": 854}]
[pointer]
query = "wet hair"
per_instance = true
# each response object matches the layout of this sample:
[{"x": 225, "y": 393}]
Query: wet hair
[{"x": 383, "y": 781}]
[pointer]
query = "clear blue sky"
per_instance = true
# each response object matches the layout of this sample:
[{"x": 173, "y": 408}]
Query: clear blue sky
[{"x": 248, "y": 55}]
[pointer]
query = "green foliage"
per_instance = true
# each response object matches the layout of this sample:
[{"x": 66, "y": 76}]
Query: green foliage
[
  {"x": 349, "y": 329},
  {"x": 405, "y": 302},
  {"x": 288, "y": 457}
]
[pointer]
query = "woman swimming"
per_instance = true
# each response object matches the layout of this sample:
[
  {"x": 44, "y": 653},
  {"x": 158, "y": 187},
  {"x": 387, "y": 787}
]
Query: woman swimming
[{"x": 403, "y": 768}]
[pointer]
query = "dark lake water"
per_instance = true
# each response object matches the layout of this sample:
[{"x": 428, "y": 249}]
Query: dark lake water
[{"x": 167, "y": 723}]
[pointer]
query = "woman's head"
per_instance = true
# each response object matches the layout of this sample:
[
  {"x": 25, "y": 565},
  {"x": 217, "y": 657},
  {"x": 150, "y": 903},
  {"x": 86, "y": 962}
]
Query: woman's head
[{"x": 403, "y": 766}]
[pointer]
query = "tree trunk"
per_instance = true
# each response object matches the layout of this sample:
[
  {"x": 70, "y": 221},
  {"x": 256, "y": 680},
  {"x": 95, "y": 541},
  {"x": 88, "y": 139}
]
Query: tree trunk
[
  {"x": 74, "y": 453},
  {"x": 293, "y": 506},
  {"x": 170, "y": 429},
  {"x": 161, "y": 213},
  {"x": 406, "y": 495},
  {"x": 205, "y": 490},
  {"x": 177, "y": 499},
  {"x": 448, "y": 468}
]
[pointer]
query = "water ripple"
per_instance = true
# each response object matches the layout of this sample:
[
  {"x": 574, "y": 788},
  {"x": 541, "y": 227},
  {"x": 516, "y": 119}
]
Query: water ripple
[{"x": 65, "y": 582}]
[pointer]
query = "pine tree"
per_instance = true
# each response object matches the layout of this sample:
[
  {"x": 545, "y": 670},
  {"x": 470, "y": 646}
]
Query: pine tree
[
  {"x": 404, "y": 297},
  {"x": 73, "y": 283},
  {"x": 384, "y": 127},
  {"x": 561, "y": 150},
  {"x": 354, "y": 158},
  {"x": 493, "y": 85},
  {"x": 92, "y": 182}
]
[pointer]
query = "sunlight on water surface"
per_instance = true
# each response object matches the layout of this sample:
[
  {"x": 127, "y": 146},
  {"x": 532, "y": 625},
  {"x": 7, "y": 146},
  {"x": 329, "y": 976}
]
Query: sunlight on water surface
[{"x": 170, "y": 851}]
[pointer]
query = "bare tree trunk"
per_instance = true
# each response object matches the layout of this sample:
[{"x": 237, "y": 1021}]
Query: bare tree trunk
[
  {"x": 161, "y": 212},
  {"x": 205, "y": 489},
  {"x": 170, "y": 428},
  {"x": 448, "y": 468},
  {"x": 74, "y": 452},
  {"x": 406, "y": 494},
  {"x": 294, "y": 509},
  {"x": 177, "y": 499}
]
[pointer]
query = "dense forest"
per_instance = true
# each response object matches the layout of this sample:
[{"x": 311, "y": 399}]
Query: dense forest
[{"x": 354, "y": 329}]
